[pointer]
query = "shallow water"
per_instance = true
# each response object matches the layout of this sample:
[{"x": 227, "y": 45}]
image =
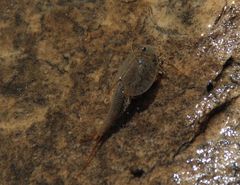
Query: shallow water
[
  {"x": 216, "y": 161},
  {"x": 58, "y": 62}
]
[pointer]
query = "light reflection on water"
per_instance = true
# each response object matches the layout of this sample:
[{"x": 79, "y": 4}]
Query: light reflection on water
[
  {"x": 215, "y": 99},
  {"x": 224, "y": 36},
  {"x": 217, "y": 162}
]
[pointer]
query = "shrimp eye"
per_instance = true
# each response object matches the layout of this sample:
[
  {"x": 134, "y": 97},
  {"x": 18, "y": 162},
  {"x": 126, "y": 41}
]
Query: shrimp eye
[{"x": 144, "y": 49}]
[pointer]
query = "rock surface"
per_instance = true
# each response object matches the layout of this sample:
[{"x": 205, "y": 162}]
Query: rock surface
[{"x": 58, "y": 59}]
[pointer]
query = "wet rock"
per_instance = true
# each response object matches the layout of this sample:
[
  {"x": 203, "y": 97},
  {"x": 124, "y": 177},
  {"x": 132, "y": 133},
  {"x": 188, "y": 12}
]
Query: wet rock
[
  {"x": 215, "y": 161},
  {"x": 58, "y": 62}
]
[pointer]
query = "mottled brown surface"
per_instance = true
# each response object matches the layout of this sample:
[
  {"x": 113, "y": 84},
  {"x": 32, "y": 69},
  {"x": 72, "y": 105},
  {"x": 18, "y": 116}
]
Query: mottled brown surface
[{"x": 58, "y": 59}]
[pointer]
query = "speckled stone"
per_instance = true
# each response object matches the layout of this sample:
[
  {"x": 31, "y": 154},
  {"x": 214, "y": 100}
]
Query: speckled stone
[{"x": 58, "y": 60}]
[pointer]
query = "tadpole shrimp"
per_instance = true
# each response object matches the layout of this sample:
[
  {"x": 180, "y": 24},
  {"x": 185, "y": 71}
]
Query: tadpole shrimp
[{"x": 135, "y": 76}]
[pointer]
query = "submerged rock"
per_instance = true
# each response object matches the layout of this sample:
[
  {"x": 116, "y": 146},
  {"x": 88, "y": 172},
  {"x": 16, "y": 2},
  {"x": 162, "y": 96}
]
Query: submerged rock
[{"x": 55, "y": 85}]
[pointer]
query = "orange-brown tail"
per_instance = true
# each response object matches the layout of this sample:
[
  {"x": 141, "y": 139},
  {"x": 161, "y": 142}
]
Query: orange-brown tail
[{"x": 98, "y": 144}]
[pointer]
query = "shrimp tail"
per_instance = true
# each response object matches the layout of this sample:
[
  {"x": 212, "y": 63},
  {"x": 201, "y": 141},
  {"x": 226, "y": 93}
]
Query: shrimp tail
[
  {"x": 98, "y": 145},
  {"x": 116, "y": 108}
]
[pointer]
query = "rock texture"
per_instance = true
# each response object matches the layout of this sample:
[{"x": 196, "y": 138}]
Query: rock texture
[{"x": 58, "y": 59}]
